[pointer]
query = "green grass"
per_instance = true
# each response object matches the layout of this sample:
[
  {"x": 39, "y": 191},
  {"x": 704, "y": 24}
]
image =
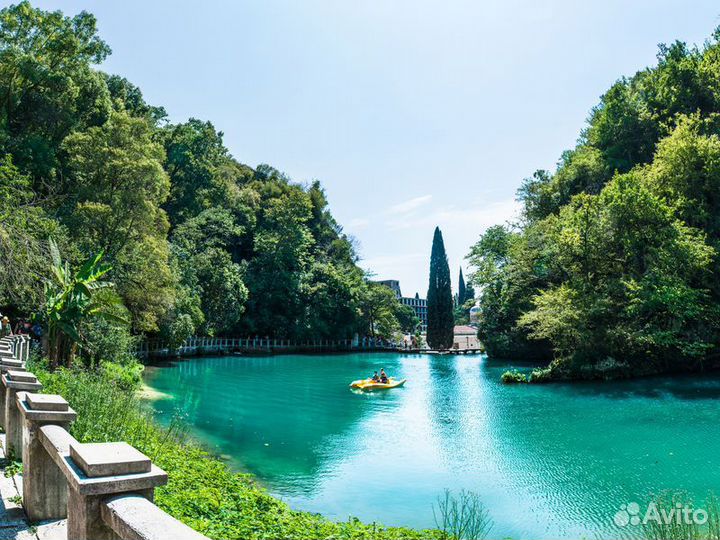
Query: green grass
[{"x": 202, "y": 491}]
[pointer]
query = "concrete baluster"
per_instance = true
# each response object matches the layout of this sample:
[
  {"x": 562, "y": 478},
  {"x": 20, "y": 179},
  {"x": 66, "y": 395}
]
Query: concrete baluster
[
  {"x": 14, "y": 382},
  {"x": 7, "y": 363},
  {"x": 104, "y": 470},
  {"x": 45, "y": 492}
]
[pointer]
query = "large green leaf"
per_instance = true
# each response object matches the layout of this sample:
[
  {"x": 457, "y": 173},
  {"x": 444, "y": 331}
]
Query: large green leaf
[{"x": 89, "y": 268}]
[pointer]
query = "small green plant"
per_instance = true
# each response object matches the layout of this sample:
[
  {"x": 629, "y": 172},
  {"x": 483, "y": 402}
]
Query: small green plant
[
  {"x": 16, "y": 499},
  {"x": 12, "y": 468},
  {"x": 125, "y": 376},
  {"x": 461, "y": 517},
  {"x": 513, "y": 377}
]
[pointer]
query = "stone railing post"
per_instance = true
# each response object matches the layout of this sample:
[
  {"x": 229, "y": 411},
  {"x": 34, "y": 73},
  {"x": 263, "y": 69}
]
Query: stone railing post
[
  {"x": 24, "y": 348},
  {"x": 6, "y": 364},
  {"x": 6, "y": 351},
  {"x": 14, "y": 382},
  {"x": 16, "y": 347},
  {"x": 7, "y": 347},
  {"x": 45, "y": 492},
  {"x": 106, "y": 469}
]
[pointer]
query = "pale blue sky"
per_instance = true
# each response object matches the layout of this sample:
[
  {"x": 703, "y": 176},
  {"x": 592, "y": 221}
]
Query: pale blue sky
[{"x": 411, "y": 113}]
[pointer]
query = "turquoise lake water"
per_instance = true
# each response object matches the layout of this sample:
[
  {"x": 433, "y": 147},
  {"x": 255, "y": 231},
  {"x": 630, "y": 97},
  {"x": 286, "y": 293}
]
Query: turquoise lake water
[{"x": 549, "y": 461}]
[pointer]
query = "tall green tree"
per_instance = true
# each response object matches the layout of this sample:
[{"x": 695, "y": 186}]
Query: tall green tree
[
  {"x": 204, "y": 246},
  {"x": 461, "y": 289},
  {"x": 197, "y": 162},
  {"x": 379, "y": 307},
  {"x": 47, "y": 86},
  {"x": 24, "y": 228},
  {"x": 116, "y": 184},
  {"x": 440, "y": 333}
]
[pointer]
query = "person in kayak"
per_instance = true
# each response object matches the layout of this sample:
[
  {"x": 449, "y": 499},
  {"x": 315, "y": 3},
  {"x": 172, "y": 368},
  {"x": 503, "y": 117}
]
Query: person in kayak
[
  {"x": 383, "y": 376},
  {"x": 375, "y": 377}
]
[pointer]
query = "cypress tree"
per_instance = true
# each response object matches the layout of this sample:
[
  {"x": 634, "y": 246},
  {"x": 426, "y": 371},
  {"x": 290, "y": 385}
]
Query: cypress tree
[
  {"x": 439, "y": 298},
  {"x": 462, "y": 294}
]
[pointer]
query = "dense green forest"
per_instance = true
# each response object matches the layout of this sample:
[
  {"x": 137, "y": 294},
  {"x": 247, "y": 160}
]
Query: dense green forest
[
  {"x": 612, "y": 267},
  {"x": 197, "y": 241}
]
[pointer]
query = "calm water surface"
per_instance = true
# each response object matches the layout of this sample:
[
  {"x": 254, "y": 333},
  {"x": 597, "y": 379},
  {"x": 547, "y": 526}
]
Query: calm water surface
[{"x": 549, "y": 461}]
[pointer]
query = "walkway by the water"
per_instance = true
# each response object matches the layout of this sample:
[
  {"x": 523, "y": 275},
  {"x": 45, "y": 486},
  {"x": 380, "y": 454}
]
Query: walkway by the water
[{"x": 13, "y": 521}]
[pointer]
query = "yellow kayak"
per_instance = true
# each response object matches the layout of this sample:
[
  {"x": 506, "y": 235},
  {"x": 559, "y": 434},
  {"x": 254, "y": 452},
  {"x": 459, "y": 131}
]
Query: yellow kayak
[{"x": 369, "y": 384}]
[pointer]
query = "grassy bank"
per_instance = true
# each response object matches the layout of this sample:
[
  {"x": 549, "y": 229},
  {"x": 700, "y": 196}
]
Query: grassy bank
[{"x": 202, "y": 491}]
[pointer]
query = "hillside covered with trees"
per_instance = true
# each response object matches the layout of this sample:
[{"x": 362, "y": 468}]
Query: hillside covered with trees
[
  {"x": 612, "y": 269},
  {"x": 197, "y": 242}
]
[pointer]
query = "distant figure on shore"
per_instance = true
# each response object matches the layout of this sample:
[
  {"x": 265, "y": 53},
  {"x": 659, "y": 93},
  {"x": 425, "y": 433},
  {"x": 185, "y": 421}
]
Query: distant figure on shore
[
  {"x": 5, "y": 328},
  {"x": 23, "y": 327}
]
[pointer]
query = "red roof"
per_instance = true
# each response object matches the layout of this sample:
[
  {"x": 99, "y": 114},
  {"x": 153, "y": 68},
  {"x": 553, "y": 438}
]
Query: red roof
[{"x": 463, "y": 329}]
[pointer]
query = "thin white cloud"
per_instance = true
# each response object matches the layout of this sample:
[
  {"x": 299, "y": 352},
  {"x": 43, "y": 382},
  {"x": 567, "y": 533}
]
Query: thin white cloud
[
  {"x": 477, "y": 217},
  {"x": 358, "y": 223},
  {"x": 409, "y": 205}
]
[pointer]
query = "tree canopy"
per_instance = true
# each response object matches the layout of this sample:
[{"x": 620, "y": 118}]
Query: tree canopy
[
  {"x": 611, "y": 270},
  {"x": 195, "y": 241}
]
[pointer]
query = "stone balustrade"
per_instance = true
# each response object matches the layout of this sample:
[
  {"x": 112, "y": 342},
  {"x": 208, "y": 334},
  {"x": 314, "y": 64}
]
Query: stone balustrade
[
  {"x": 104, "y": 490},
  {"x": 16, "y": 346}
]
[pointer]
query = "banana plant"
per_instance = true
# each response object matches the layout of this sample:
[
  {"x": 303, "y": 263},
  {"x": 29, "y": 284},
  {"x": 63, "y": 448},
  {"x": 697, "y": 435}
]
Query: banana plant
[{"x": 71, "y": 298}]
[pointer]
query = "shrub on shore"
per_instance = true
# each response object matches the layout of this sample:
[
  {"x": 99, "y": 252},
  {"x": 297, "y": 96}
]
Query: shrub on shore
[
  {"x": 541, "y": 375},
  {"x": 513, "y": 377}
]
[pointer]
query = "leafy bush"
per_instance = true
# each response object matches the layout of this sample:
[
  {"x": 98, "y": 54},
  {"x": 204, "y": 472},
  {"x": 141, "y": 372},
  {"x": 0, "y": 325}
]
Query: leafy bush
[
  {"x": 125, "y": 376},
  {"x": 539, "y": 375},
  {"x": 513, "y": 377},
  {"x": 107, "y": 341}
]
